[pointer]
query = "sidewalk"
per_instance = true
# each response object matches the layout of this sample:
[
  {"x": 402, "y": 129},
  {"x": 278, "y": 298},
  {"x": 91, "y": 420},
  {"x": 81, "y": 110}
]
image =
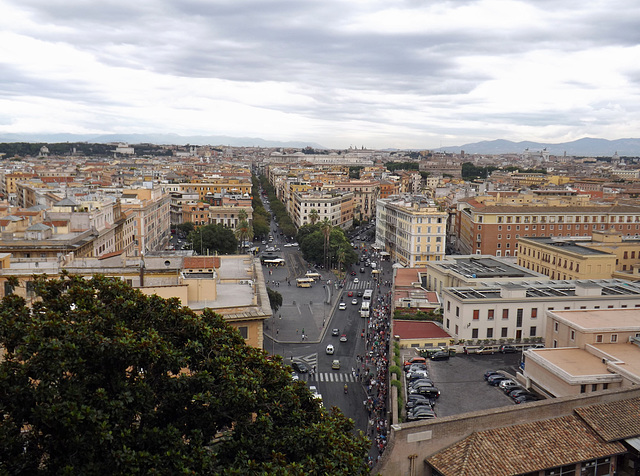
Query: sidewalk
[{"x": 301, "y": 311}]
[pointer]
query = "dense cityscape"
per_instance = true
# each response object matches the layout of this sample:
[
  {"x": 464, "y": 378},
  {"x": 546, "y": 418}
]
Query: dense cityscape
[{"x": 383, "y": 283}]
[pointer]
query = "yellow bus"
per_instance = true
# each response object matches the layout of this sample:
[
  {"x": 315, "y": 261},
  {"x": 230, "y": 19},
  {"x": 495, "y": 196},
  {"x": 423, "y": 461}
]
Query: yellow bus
[
  {"x": 304, "y": 282},
  {"x": 310, "y": 274}
]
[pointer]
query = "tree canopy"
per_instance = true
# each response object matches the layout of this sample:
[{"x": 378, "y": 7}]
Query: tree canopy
[
  {"x": 312, "y": 240},
  {"x": 209, "y": 239},
  {"x": 100, "y": 379}
]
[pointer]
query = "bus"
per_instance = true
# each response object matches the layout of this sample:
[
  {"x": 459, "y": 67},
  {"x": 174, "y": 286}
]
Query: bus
[
  {"x": 312, "y": 275},
  {"x": 365, "y": 309},
  {"x": 304, "y": 282},
  {"x": 368, "y": 293},
  {"x": 273, "y": 262}
]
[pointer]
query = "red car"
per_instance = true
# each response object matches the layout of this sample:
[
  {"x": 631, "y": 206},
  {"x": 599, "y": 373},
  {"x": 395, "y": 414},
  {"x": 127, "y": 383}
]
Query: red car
[
  {"x": 353, "y": 273},
  {"x": 350, "y": 294}
]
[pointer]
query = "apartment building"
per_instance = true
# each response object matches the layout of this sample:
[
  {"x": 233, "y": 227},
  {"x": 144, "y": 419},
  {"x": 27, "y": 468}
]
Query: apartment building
[
  {"x": 150, "y": 210},
  {"x": 365, "y": 195},
  {"x": 212, "y": 186},
  {"x": 177, "y": 200},
  {"x": 494, "y": 227},
  {"x": 517, "y": 311},
  {"x": 589, "y": 350},
  {"x": 335, "y": 206},
  {"x": 604, "y": 255},
  {"x": 412, "y": 229}
]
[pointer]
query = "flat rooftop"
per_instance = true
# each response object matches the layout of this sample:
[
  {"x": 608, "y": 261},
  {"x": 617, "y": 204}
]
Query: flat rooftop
[
  {"x": 627, "y": 354},
  {"x": 576, "y": 362},
  {"x": 600, "y": 319},
  {"x": 484, "y": 267},
  {"x": 552, "y": 289},
  {"x": 572, "y": 246}
]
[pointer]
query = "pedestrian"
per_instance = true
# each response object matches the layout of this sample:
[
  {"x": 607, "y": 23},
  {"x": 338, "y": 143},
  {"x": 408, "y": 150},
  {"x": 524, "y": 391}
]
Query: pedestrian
[{"x": 296, "y": 331}]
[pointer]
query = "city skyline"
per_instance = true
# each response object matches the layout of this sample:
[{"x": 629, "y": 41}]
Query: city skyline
[{"x": 374, "y": 74}]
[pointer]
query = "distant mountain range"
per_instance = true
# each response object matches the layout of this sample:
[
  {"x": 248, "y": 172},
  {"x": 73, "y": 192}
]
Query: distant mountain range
[
  {"x": 166, "y": 139},
  {"x": 587, "y": 146}
]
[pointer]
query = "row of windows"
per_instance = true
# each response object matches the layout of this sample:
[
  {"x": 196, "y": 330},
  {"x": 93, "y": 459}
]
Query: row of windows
[
  {"x": 504, "y": 332},
  {"x": 567, "y": 219}
]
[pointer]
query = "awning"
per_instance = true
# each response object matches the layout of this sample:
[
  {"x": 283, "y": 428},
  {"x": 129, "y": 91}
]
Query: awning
[
  {"x": 397, "y": 265},
  {"x": 634, "y": 442},
  {"x": 384, "y": 253}
]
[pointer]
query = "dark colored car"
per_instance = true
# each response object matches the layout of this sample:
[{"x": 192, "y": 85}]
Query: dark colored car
[
  {"x": 421, "y": 414},
  {"x": 362, "y": 270},
  {"x": 524, "y": 398},
  {"x": 440, "y": 355},
  {"x": 488, "y": 373},
  {"x": 335, "y": 332},
  {"x": 300, "y": 367},
  {"x": 417, "y": 366},
  {"x": 427, "y": 382},
  {"x": 415, "y": 399},
  {"x": 429, "y": 392},
  {"x": 508, "y": 349},
  {"x": 496, "y": 379},
  {"x": 517, "y": 392},
  {"x": 359, "y": 294}
]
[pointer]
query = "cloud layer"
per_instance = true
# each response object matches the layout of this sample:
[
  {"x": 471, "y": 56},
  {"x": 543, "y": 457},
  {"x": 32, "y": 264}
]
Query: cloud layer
[{"x": 394, "y": 73}]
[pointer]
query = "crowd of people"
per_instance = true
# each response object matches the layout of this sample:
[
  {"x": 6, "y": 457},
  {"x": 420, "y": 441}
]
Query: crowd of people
[{"x": 374, "y": 365}]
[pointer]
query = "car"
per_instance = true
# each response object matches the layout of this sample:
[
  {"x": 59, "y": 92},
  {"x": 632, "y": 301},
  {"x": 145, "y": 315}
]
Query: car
[
  {"x": 524, "y": 398},
  {"x": 508, "y": 349},
  {"x": 511, "y": 388},
  {"x": 353, "y": 273},
  {"x": 416, "y": 400},
  {"x": 489, "y": 350},
  {"x": 313, "y": 389},
  {"x": 420, "y": 381},
  {"x": 488, "y": 373},
  {"x": 335, "y": 365},
  {"x": 295, "y": 243},
  {"x": 508, "y": 383},
  {"x": 294, "y": 376},
  {"x": 270, "y": 249},
  {"x": 415, "y": 360},
  {"x": 440, "y": 355},
  {"x": 356, "y": 280},
  {"x": 343, "y": 338},
  {"x": 342, "y": 306},
  {"x": 330, "y": 349},
  {"x": 420, "y": 414},
  {"x": 429, "y": 392},
  {"x": 362, "y": 270},
  {"x": 519, "y": 391},
  {"x": 288, "y": 245},
  {"x": 495, "y": 380},
  {"x": 417, "y": 375},
  {"x": 277, "y": 249},
  {"x": 359, "y": 294},
  {"x": 335, "y": 331},
  {"x": 350, "y": 294},
  {"x": 354, "y": 301},
  {"x": 415, "y": 367},
  {"x": 300, "y": 367}
]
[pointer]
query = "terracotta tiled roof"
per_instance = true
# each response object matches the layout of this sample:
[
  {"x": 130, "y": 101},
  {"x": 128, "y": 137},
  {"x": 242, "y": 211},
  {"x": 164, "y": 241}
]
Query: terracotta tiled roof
[
  {"x": 613, "y": 420},
  {"x": 523, "y": 448},
  {"x": 418, "y": 330},
  {"x": 201, "y": 262}
]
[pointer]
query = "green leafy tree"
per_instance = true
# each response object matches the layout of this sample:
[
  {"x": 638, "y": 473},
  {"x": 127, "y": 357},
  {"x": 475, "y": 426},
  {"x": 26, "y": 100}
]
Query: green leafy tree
[
  {"x": 314, "y": 216},
  {"x": 209, "y": 239},
  {"x": 260, "y": 226},
  {"x": 186, "y": 228},
  {"x": 275, "y": 299},
  {"x": 100, "y": 379}
]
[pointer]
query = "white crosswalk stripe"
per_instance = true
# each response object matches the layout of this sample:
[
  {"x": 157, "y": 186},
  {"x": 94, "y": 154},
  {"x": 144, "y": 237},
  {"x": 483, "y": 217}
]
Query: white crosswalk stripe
[{"x": 330, "y": 377}]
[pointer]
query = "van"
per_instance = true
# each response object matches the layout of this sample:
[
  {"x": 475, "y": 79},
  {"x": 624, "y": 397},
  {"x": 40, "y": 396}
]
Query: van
[
  {"x": 373, "y": 265},
  {"x": 488, "y": 350}
]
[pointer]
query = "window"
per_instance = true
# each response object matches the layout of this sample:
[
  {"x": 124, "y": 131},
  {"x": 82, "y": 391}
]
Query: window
[
  {"x": 573, "y": 335},
  {"x": 605, "y": 386},
  {"x": 490, "y": 333},
  {"x": 532, "y": 331},
  {"x": 614, "y": 337},
  {"x": 504, "y": 332},
  {"x": 583, "y": 388},
  {"x": 594, "y": 387},
  {"x": 555, "y": 327},
  {"x": 457, "y": 311},
  {"x": 534, "y": 312},
  {"x": 598, "y": 338},
  {"x": 448, "y": 324},
  {"x": 490, "y": 314},
  {"x": 476, "y": 314},
  {"x": 448, "y": 305},
  {"x": 456, "y": 329},
  {"x": 505, "y": 313},
  {"x": 474, "y": 333},
  {"x": 519, "y": 317},
  {"x": 244, "y": 331}
]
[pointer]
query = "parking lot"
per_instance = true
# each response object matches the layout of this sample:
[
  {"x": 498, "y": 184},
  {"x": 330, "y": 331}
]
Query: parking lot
[{"x": 462, "y": 386}]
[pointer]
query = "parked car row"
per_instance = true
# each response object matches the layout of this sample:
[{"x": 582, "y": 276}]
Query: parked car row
[
  {"x": 510, "y": 387},
  {"x": 421, "y": 393}
]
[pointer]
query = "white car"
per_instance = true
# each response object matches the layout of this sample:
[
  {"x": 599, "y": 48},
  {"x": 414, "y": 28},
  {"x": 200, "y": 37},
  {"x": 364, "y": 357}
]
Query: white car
[
  {"x": 295, "y": 244},
  {"x": 330, "y": 349},
  {"x": 288, "y": 245},
  {"x": 356, "y": 280},
  {"x": 342, "y": 306},
  {"x": 354, "y": 302}
]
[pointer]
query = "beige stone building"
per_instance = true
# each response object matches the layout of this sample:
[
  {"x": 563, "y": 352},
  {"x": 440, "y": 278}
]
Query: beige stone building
[
  {"x": 589, "y": 350},
  {"x": 412, "y": 229}
]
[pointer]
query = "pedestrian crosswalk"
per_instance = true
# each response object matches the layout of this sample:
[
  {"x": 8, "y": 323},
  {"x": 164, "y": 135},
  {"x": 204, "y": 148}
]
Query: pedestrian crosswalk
[
  {"x": 360, "y": 285},
  {"x": 330, "y": 377}
]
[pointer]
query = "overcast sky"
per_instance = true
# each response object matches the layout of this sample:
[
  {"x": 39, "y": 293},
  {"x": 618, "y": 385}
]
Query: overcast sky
[{"x": 391, "y": 73}]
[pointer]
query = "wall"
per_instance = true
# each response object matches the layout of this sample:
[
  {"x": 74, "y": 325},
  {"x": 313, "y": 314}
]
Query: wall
[{"x": 426, "y": 439}]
